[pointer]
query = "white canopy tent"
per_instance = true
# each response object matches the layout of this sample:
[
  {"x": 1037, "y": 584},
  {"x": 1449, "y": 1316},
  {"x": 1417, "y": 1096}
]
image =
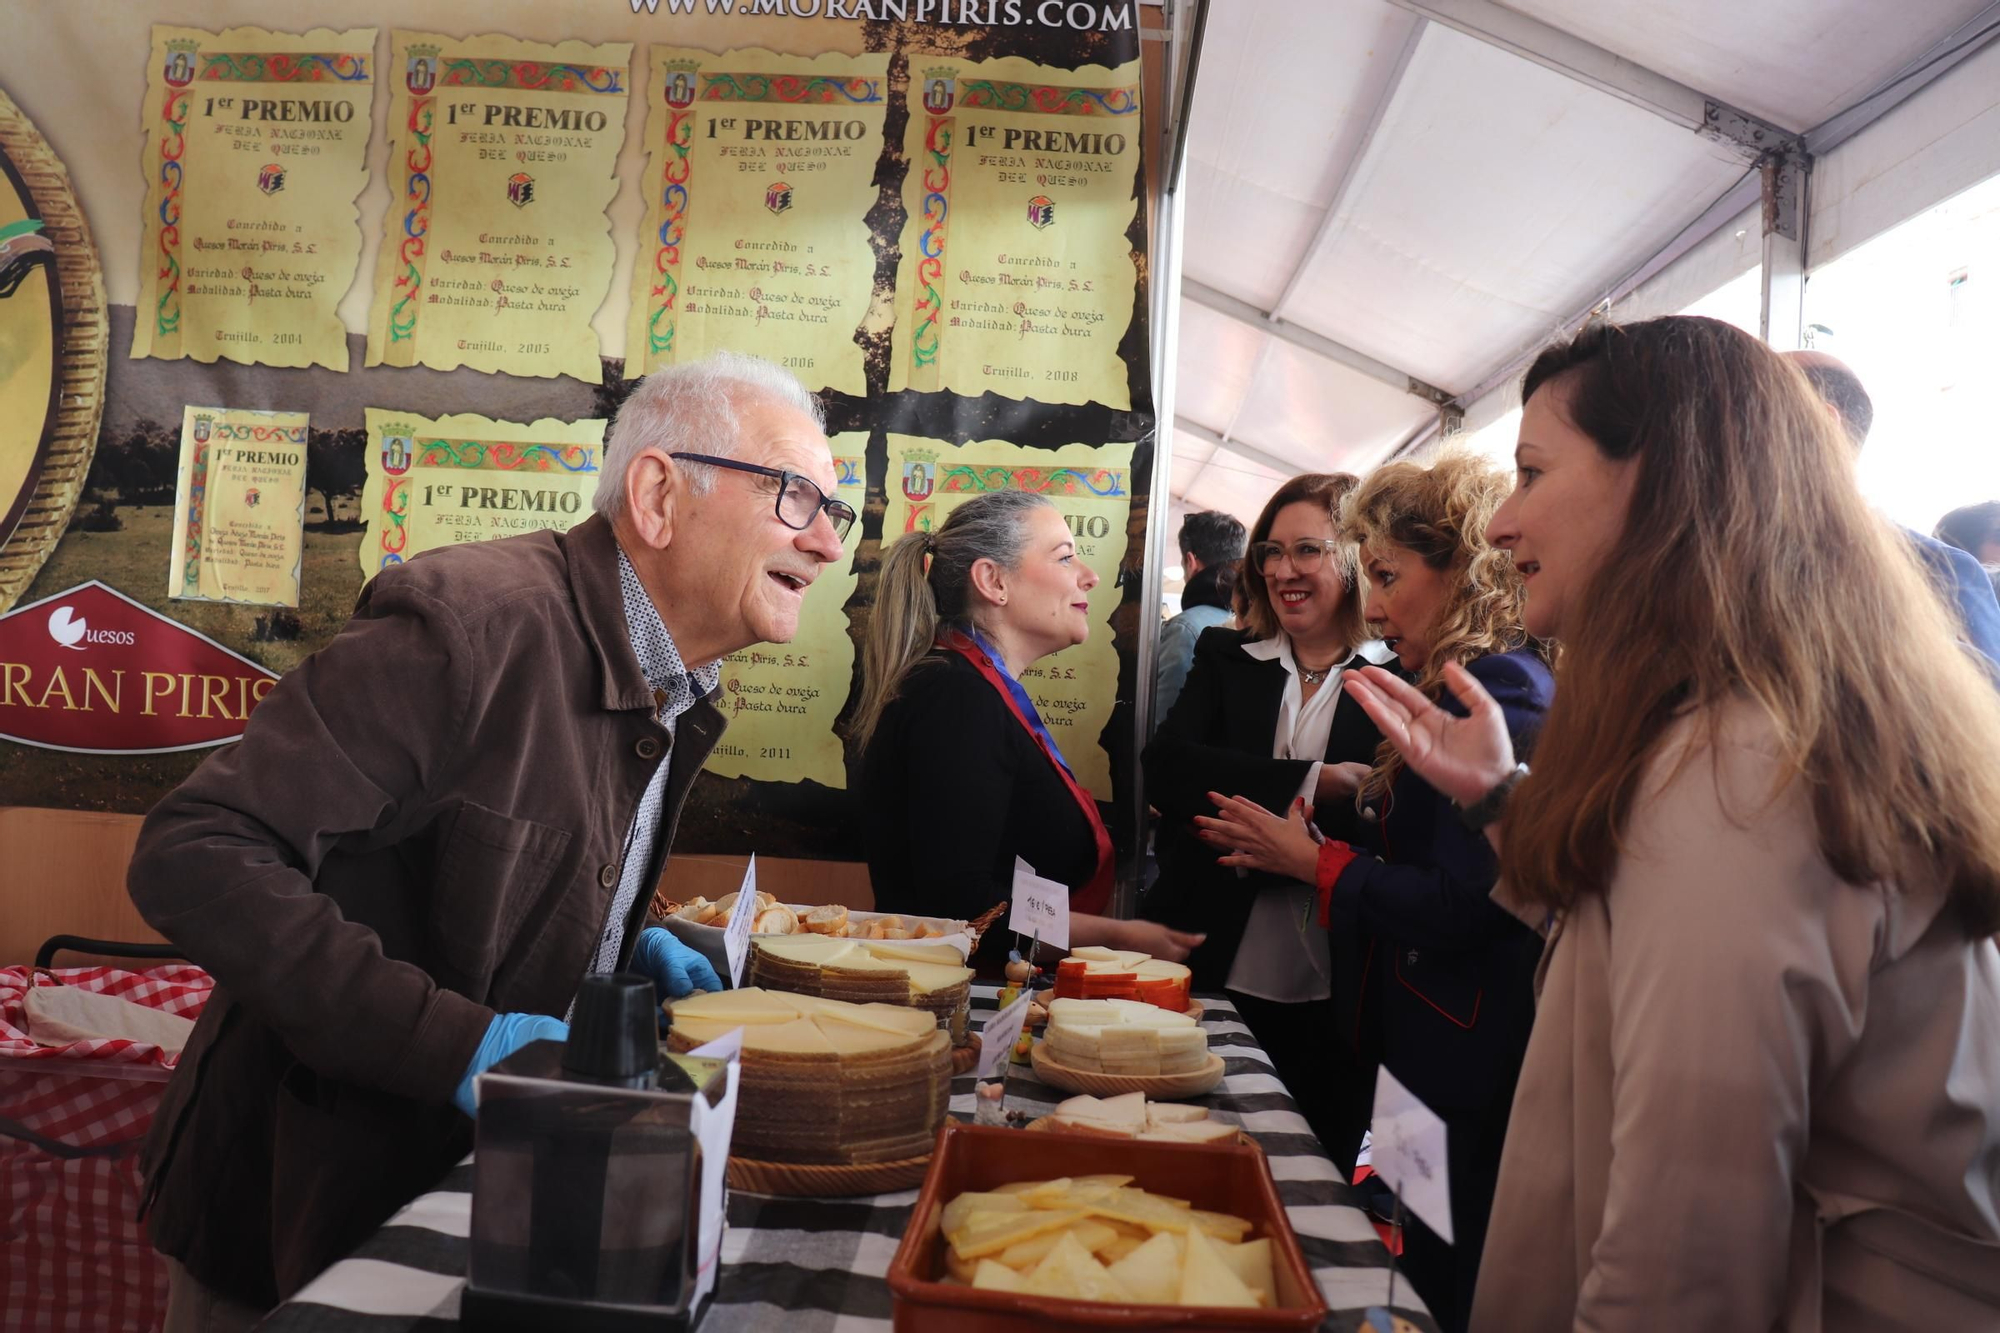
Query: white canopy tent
[{"x": 1389, "y": 204}]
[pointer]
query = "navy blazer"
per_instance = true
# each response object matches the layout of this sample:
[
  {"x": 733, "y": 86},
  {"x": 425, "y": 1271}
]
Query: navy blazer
[{"x": 1445, "y": 995}]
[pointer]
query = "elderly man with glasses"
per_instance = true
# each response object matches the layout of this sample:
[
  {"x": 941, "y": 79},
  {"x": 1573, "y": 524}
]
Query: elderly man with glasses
[{"x": 436, "y": 826}]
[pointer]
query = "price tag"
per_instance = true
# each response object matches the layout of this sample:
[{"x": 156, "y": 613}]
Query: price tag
[
  {"x": 996, "y": 1040},
  {"x": 713, "y": 1127},
  {"x": 1041, "y": 907},
  {"x": 1408, "y": 1146},
  {"x": 728, "y": 1046},
  {"x": 736, "y": 939}
]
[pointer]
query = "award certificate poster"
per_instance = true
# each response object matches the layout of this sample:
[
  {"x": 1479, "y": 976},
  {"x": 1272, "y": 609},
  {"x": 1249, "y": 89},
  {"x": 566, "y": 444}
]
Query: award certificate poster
[
  {"x": 469, "y": 478},
  {"x": 1074, "y": 690},
  {"x": 1016, "y": 274},
  {"x": 761, "y": 177},
  {"x": 256, "y": 146},
  {"x": 239, "y": 507},
  {"x": 781, "y": 699},
  {"x": 502, "y": 158}
]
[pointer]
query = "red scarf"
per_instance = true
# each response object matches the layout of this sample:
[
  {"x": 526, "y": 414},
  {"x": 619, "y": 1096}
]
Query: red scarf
[{"x": 1095, "y": 895}]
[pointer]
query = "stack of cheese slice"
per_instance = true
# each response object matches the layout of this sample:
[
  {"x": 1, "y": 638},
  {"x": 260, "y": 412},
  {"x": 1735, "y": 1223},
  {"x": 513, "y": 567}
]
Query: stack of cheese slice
[
  {"x": 931, "y": 977},
  {"x": 1094, "y": 972},
  {"x": 825, "y": 1081},
  {"x": 1124, "y": 1037},
  {"x": 1129, "y": 1116}
]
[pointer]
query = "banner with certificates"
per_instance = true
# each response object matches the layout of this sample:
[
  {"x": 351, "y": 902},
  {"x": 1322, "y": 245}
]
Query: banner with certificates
[
  {"x": 496, "y": 251},
  {"x": 470, "y": 478},
  {"x": 1074, "y": 690},
  {"x": 1017, "y": 275},
  {"x": 239, "y": 506},
  {"x": 761, "y": 175},
  {"x": 255, "y": 152},
  {"x": 781, "y": 699}
]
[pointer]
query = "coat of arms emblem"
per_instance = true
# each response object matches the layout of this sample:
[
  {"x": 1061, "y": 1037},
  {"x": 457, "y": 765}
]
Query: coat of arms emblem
[
  {"x": 421, "y": 72},
  {"x": 680, "y": 84},
  {"x": 919, "y": 479},
  {"x": 395, "y": 454},
  {"x": 179, "y": 72},
  {"x": 940, "y": 90}
]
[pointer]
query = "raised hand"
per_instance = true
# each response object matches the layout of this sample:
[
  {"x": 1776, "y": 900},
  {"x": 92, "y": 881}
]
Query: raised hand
[{"x": 1463, "y": 757}]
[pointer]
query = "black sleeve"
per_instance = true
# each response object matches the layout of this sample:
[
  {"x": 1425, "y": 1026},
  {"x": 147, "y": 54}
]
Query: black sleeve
[
  {"x": 951, "y": 735},
  {"x": 1189, "y": 756}
]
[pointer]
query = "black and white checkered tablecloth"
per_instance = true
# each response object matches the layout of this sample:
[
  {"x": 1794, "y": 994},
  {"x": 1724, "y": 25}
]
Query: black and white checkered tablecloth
[{"x": 817, "y": 1265}]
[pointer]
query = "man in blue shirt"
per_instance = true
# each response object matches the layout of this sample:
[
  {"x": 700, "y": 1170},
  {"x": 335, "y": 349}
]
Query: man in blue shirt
[
  {"x": 1957, "y": 576},
  {"x": 1211, "y": 545}
]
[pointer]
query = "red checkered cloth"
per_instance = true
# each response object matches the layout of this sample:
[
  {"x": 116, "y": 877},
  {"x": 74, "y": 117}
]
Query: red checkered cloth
[{"x": 73, "y": 1255}]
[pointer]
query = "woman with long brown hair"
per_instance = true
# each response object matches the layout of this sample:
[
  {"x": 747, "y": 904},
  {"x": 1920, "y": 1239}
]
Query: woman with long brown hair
[
  {"x": 1763, "y": 832},
  {"x": 1444, "y": 978}
]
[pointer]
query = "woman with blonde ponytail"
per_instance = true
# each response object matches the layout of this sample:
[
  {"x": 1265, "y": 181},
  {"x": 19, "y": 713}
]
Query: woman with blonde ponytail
[{"x": 959, "y": 774}]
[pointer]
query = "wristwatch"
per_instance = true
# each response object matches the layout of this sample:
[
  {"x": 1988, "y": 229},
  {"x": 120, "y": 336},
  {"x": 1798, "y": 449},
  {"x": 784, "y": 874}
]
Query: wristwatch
[{"x": 1488, "y": 807}]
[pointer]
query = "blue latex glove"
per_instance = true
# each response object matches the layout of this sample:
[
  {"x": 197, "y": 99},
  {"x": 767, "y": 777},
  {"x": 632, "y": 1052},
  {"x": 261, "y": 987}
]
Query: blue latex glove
[
  {"x": 674, "y": 968},
  {"x": 506, "y": 1034}
]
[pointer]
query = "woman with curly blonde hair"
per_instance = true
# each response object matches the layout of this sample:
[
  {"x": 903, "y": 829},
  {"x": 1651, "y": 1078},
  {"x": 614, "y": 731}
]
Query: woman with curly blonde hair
[{"x": 1446, "y": 977}]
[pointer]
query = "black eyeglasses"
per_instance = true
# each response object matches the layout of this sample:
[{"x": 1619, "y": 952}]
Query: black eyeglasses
[
  {"x": 799, "y": 498},
  {"x": 1306, "y": 554}
]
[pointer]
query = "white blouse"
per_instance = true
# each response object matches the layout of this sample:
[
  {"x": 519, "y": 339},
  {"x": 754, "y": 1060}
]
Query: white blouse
[{"x": 1284, "y": 955}]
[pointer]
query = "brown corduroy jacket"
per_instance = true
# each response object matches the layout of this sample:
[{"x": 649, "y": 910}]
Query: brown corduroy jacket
[{"x": 421, "y": 827}]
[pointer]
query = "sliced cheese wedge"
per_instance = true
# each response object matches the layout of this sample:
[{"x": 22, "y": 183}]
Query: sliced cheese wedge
[
  {"x": 926, "y": 978},
  {"x": 890, "y": 1018},
  {"x": 817, "y": 950},
  {"x": 1207, "y": 1279},
  {"x": 854, "y": 1039},
  {"x": 941, "y": 954},
  {"x": 801, "y": 1037},
  {"x": 749, "y": 1005}
]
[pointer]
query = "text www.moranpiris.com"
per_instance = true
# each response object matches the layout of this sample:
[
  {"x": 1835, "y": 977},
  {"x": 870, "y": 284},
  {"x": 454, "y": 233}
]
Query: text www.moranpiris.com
[{"x": 1080, "y": 15}]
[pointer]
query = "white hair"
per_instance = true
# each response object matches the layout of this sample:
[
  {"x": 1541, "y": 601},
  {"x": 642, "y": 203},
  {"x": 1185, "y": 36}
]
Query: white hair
[{"x": 693, "y": 408}]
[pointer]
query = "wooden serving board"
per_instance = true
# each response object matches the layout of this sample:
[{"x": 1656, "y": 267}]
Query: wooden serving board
[
  {"x": 801, "y": 1181},
  {"x": 1161, "y": 1086}
]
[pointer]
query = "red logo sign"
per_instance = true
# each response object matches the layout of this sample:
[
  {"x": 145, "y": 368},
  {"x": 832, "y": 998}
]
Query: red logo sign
[{"x": 92, "y": 670}]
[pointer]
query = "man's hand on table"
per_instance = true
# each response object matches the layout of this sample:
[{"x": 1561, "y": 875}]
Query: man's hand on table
[
  {"x": 674, "y": 968},
  {"x": 506, "y": 1034}
]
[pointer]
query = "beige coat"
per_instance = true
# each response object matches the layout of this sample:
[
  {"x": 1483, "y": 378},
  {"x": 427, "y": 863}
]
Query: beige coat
[{"x": 1756, "y": 1097}]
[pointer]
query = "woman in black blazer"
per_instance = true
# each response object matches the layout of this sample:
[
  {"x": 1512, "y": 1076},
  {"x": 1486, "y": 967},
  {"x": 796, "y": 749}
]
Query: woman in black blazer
[
  {"x": 1446, "y": 982},
  {"x": 1263, "y": 716},
  {"x": 959, "y": 775}
]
